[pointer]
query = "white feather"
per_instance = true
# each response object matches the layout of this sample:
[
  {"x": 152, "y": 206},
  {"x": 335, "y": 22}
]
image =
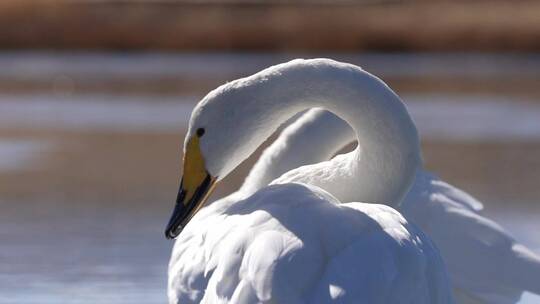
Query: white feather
[
  {"x": 293, "y": 242},
  {"x": 485, "y": 263}
]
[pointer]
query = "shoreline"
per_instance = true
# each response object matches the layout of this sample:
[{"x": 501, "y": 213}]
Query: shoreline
[{"x": 280, "y": 26}]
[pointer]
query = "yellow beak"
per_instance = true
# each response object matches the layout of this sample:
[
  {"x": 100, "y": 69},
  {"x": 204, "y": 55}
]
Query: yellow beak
[{"x": 195, "y": 187}]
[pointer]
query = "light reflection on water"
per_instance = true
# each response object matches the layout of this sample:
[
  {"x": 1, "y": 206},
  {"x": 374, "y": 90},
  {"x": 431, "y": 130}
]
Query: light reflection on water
[
  {"x": 66, "y": 251},
  {"x": 470, "y": 117},
  {"x": 16, "y": 155},
  {"x": 98, "y": 255},
  {"x": 82, "y": 254},
  {"x": 95, "y": 254}
]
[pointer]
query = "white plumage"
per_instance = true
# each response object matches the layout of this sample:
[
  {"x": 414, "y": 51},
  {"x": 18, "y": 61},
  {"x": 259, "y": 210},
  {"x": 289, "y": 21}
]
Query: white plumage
[
  {"x": 485, "y": 263},
  {"x": 294, "y": 242}
]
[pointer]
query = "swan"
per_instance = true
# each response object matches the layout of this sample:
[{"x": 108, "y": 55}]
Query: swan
[
  {"x": 294, "y": 242},
  {"x": 486, "y": 265}
]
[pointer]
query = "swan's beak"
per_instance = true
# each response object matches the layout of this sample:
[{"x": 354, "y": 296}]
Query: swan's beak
[
  {"x": 187, "y": 205},
  {"x": 195, "y": 187}
]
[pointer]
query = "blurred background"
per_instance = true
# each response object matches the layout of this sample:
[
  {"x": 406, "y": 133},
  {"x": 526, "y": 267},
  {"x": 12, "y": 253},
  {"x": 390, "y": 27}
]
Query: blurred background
[{"x": 95, "y": 97}]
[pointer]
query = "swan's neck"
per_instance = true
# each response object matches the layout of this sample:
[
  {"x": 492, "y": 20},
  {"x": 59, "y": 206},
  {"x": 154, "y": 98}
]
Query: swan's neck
[
  {"x": 314, "y": 137},
  {"x": 384, "y": 164}
]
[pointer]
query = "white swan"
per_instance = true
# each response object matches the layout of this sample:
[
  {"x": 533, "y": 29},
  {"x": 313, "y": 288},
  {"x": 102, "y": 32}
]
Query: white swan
[
  {"x": 295, "y": 243},
  {"x": 485, "y": 263}
]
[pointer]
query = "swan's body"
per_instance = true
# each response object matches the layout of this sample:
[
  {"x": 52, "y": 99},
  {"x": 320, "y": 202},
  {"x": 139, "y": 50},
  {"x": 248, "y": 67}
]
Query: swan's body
[
  {"x": 295, "y": 243},
  {"x": 485, "y": 263}
]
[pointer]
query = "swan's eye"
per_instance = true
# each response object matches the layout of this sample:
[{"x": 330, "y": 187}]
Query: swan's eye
[{"x": 200, "y": 132}]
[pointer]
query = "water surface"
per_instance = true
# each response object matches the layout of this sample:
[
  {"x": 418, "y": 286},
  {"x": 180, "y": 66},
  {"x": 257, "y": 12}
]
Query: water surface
[{"x": 88, "y": 172}]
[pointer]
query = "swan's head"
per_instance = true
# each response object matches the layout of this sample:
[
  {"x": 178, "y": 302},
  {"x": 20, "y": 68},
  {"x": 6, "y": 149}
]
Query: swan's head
[{"x": 220, "y": 136}]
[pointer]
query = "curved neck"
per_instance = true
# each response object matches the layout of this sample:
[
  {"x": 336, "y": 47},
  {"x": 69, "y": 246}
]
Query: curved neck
[
  {"x": 388, "y": 154},
  {"x": 314, "y": 137}
]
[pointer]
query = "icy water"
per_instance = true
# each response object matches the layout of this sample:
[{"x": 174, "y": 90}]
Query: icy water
[{"x": 89, "y": 157}]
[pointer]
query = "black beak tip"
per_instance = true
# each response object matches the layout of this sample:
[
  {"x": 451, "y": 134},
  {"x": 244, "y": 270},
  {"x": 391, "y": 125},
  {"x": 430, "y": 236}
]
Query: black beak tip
[
  {"x": 183, "y": 211},
  {"x": 171, "y": 232},
  {"x": 173, "y": 228}
]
